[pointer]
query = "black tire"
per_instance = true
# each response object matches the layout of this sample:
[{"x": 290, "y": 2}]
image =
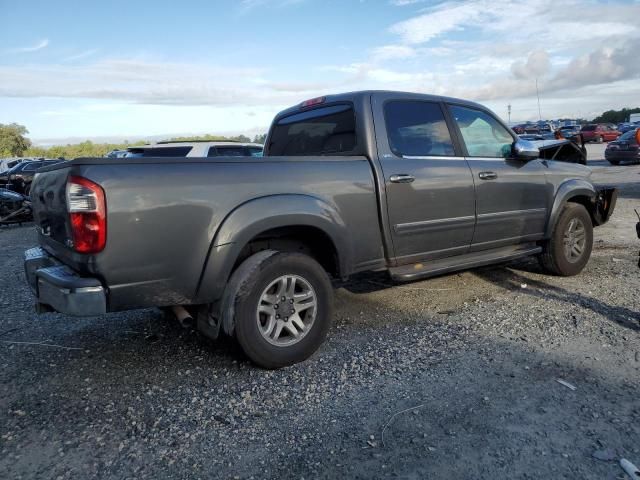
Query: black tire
[
  {"x": 614, "y": 162},
  {"x": 598, "y": 139},
  {"x": 263, "y": 273},
  {"x": 554, "y": 257}
]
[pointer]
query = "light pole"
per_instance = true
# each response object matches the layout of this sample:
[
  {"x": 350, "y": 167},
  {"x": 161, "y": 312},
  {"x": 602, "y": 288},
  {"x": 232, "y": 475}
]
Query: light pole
[
  {"x": 509, "y": 113},
  {"x": 538, "y": 95}
]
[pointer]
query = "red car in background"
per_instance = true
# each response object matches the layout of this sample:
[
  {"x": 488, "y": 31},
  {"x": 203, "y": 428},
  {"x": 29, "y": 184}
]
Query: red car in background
[{"x": 599, "y": 132}]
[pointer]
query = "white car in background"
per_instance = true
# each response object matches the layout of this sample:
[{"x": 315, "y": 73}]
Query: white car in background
[{"x": 197, "y": 149}]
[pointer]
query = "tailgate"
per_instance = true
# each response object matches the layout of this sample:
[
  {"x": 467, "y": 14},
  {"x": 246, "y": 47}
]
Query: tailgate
[{"x": 48, "y": 195}]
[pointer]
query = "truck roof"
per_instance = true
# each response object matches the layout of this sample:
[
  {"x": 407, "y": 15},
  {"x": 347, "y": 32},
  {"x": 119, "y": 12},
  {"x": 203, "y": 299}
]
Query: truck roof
[{"x": 361, "y": 94}]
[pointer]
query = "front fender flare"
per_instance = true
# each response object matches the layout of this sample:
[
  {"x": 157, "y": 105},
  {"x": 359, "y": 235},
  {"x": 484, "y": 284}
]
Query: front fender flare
[
  {"x": 566, "y": 191},
  {"x": 259, "y": 215}
]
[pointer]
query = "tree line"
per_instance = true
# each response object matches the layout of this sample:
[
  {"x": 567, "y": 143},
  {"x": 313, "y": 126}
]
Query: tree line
[
  {"x": 14, "y": 143},
  {"x": 616, "y": 116}
]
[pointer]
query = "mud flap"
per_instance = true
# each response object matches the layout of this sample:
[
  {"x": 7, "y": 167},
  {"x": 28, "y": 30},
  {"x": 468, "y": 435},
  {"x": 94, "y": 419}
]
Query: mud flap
[
  {"x": 208, "y": 322},
  {"x": 605, "y": 203}
]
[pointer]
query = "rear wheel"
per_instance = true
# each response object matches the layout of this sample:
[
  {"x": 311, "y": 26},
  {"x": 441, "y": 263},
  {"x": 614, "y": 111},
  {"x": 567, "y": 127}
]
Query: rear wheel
[
  {"x": 614, "y": 162},
  {"x": 568, "y": 250},
  {"x": 283, "y": 309}
]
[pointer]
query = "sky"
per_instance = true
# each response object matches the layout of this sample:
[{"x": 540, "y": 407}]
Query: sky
[{"x": 71, "y": 70}]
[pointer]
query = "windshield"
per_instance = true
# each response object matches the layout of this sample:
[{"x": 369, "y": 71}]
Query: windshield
[
  {"x": 630, "y": 135},
  {"x": 14, "y": 168}
]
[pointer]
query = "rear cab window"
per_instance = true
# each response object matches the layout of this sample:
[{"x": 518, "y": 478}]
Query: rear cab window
[
  {"x": 483, "y": 135},
  {"x": 329, "y": 130},
  {"x": 417, "y": 128}
]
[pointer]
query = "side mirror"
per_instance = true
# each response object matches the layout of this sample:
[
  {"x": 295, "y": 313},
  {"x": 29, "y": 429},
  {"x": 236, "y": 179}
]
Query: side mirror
[{"x": 524, "y": 150}]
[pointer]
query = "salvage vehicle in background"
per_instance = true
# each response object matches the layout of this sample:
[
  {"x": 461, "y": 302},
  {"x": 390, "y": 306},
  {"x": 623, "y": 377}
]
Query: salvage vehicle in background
[
  {"x": 599, "y": 133},
  {"x": 625, "y": 127},
  {"x": 19, "y": 177},
  {"x": 570, "y": 131},
  {"x": 625, "y": 149},
  {"x": 417, "y": 185},
  {"x": 116, "y": 154},
  {"x": 14, "y": 208},
  {"x": 196, "y": 148}
]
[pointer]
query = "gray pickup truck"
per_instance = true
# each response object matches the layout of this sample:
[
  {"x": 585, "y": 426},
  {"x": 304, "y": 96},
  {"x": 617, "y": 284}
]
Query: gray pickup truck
[{"x": 417, "y": 185}]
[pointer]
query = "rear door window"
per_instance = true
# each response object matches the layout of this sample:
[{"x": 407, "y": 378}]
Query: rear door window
[
  {"x": 159, "y": 152},
  {"x": 483, "y": 135},
  {"x": 322, "y": 131},
  {"x": 255, "y": 151},
  {"x": 416, "y": 129},
  {"x": 232, "y": 151}
]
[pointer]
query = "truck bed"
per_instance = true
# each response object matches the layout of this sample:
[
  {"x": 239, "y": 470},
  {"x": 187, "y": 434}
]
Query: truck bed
[{"x": 164, "y": 216}]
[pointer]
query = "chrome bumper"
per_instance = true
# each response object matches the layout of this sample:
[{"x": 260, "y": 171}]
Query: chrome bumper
[{"x": 59, "y": 288}]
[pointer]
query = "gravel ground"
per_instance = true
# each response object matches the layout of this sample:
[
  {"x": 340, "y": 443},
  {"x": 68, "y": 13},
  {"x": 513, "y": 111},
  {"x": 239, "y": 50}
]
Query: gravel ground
[{"x": 454, "y": 377}]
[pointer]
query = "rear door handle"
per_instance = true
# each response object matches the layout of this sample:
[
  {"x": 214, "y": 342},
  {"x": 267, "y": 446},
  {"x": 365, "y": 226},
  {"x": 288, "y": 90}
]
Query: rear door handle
[
  {"x": 488, "y": 175},
  {"x": 401, "y": 178}
]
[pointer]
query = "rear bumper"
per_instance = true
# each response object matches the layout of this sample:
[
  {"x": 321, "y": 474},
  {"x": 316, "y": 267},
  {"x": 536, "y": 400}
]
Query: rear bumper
[
  {"x": 622, "y": 155},
  {"x": 59, "y": 288}
]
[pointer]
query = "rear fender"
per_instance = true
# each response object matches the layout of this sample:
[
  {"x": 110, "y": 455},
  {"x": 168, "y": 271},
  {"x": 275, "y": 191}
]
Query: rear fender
[{"x": 256, "y": 216}]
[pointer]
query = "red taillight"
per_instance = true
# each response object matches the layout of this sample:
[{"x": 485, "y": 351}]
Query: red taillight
[
  {"x": 87, "y": 210},
  {"x": 312, "y": 102}
]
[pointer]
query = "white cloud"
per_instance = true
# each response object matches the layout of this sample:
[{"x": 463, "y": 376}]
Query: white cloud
[
  {"x": 248, "y": 5},
  {"x": 31, "y": 48},
  {"x": 404, "y": 3},
  {"x": 583, "y": 54},
  {"x": 540, "y": 21},
  {"x": 442, "y": 19},
  {"x": 537, "y": 64},
  {"x": 392, "y": 52},
  {"x": 138, "y": 81},
  {"x": 81, "y": 55}
]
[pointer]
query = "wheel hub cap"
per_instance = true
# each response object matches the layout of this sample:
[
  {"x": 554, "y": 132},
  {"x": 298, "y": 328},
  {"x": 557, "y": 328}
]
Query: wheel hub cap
[
  {"x": 575, "y": 240},
  {"x": 286, "y": 310}
]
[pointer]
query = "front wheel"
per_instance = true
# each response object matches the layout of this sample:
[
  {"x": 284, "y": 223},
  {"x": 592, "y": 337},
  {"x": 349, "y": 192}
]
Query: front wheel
[
  {"x": 568, "y": 250},
  {"x": 283, "y": 309},
  {"x": 614, "y": 162}
]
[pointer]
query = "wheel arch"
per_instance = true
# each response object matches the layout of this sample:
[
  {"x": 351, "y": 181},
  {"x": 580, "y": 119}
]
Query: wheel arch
[
  {"x": 291, "y": 222},
  {"x": 575, "y": 191}
]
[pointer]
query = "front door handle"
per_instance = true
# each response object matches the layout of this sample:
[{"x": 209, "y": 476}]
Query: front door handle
[
  {"x": 401, "y": 178},
  {"x": 488, "y": 175}
]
